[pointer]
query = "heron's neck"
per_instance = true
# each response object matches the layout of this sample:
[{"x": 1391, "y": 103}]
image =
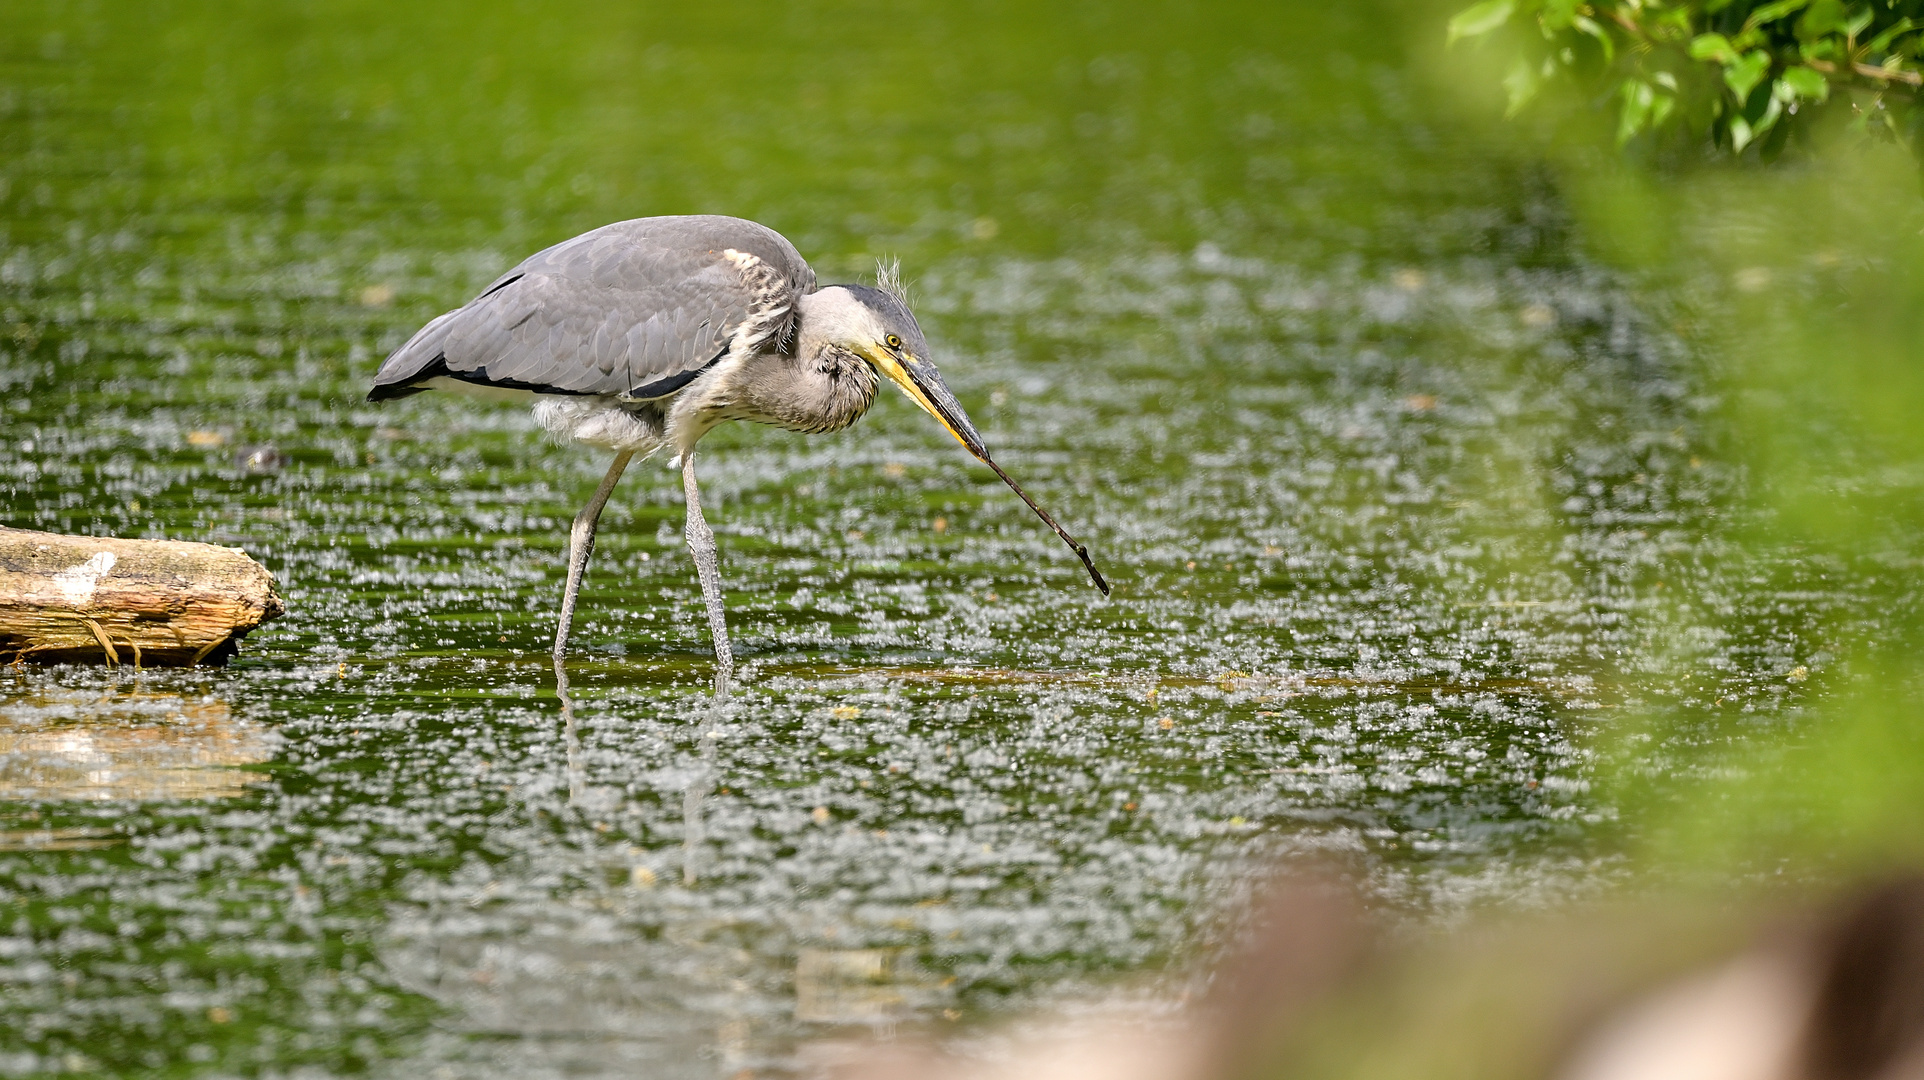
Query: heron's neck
[
  {"x": 827, "y": 315},
  {"x": 821, "y": 387}
]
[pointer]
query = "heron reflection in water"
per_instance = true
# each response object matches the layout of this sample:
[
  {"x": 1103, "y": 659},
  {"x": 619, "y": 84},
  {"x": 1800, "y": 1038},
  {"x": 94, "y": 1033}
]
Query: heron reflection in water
[{"x": 647, "y": 334}]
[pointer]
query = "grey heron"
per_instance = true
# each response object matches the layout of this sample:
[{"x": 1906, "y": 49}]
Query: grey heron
[{"x": 646, "y": 334}]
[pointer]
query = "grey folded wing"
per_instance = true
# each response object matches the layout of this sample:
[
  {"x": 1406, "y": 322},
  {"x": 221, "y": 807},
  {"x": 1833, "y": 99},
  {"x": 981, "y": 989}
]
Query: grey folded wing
[{"x": 635, "y": 309}]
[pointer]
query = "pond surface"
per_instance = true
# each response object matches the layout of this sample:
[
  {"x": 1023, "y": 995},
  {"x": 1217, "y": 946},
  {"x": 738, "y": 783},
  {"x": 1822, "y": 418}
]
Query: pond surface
[{"x": 1407, "y": 508}]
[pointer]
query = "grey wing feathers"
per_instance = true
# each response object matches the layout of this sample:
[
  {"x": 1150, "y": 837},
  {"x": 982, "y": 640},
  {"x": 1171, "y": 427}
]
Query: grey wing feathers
[{"x": 624, "y": 308}]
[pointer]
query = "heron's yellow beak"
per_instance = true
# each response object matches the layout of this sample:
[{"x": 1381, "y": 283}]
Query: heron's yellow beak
[{"x": 924, "y": 386}]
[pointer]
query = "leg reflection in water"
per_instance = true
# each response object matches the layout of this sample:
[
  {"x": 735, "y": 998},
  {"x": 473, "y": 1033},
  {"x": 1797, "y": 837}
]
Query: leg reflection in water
[
  {"x": 570, "y": 738},
  {"x": 700, "y": 780}
]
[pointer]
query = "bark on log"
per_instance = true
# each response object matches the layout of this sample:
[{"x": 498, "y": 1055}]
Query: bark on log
[{"x": 149, "y": 603}]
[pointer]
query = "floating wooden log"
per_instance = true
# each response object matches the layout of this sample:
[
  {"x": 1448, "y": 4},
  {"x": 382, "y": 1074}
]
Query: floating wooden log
[{"x": 153, "y": 603}]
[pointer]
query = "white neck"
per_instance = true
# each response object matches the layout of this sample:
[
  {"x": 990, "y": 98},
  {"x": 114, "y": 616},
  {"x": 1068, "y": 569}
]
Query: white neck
[{"x": 833, "y": 316}]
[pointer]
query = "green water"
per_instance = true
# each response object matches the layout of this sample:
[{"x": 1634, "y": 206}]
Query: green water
[{"x": 1404, "y": 502}]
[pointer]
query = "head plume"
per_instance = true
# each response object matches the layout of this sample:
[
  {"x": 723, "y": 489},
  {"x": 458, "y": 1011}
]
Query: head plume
[{"x": 888, "y": 278}]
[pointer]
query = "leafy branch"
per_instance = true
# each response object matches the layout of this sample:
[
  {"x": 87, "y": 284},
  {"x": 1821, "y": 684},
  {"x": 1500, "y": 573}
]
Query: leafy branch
[{"x": 1738, "y": 72}]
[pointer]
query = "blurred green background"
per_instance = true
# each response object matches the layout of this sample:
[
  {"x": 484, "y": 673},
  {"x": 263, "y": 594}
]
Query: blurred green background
[{"x": 1501, "y": 519}]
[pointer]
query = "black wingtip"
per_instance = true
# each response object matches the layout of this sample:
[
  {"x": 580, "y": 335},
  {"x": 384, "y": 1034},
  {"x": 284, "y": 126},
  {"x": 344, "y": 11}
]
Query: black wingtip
[{"x": 390, "y": 391}]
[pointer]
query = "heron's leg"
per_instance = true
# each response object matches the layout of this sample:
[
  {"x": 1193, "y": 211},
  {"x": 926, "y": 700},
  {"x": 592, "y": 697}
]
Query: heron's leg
[
  {"x": 701, "y": 544},
  {"x": 581, "y": 544}
]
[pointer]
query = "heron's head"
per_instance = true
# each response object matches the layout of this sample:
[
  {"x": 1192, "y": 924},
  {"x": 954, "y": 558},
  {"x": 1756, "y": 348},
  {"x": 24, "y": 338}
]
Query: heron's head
[
  {"x": 876, "y": 325},
  {"x": 879, "y": 328}
]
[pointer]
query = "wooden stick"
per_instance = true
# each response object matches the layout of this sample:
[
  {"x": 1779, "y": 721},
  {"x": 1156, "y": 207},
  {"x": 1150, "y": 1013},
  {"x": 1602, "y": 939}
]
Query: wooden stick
[{"x": 172, "y": 603}]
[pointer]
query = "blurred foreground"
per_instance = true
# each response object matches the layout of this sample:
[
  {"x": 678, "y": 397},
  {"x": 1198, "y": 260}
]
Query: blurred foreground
[{"x": 1830, "y": 991}]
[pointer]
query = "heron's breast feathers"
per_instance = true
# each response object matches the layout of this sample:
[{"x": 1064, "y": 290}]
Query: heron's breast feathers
[{"x": 812, "y": 395}]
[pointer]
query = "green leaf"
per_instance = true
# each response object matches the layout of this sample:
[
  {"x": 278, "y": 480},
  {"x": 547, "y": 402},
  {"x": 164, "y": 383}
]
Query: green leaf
[
  {"x": 1771, "y": 12},
  {"x": 1557, "y": 14},
  {"x": 1672, "y": 26},
  {"x": 1521, "y": 83},
  {"x": 1743, "y": 76},
  {"x": 1821, "y": 18},
  {"x": 1858, "y": 23},
  {"x": 1740, "y": 134},
  {"x": 1589, "y": 26},
  {"x": 1661, "y": 106},
  {"x": 1806, "y": 83},
  {"x": 1743, "y": 132},
  {"x": 1714, "y": 47},
  {"x": 1480, "y": 18},
  {"x": 1774, "y": 143},
  {"x": 1890, "y": 33},
  {"x": 1638, "y": 97},
  {"x": 1830, "y": 48}
]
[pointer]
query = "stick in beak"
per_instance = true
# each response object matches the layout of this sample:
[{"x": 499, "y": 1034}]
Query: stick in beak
[{"x": 923, "y": 384}]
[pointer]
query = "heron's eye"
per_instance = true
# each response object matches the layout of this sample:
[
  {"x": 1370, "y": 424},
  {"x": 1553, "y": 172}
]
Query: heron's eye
[{"x": 894, "y": 342}]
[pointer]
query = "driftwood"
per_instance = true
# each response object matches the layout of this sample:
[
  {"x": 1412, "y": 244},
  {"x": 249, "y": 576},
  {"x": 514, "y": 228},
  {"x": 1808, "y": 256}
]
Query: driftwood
[{"x": 154, "y": 603}]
